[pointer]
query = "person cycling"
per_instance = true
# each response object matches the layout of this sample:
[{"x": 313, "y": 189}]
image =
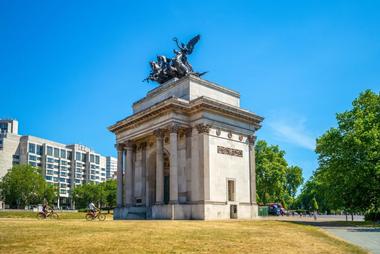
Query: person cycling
[
  {"x": 46, "y": 208},
  {"x": 92, "y": 208}
]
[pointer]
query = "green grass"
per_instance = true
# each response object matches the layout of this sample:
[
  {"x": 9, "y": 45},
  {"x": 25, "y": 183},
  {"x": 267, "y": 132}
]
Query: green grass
[{"x": 80, "y": 236}]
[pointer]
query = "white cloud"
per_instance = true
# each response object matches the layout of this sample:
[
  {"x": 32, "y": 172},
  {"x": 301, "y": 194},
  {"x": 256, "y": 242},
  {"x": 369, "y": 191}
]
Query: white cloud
[{"x": 291, "y": 130}]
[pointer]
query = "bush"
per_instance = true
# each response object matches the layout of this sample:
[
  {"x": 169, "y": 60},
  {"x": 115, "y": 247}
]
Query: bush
[{"x": 372, "y": 215}]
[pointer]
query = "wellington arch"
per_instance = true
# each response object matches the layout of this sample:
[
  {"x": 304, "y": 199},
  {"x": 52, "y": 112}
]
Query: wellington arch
[{"x": 187, "y": 152}]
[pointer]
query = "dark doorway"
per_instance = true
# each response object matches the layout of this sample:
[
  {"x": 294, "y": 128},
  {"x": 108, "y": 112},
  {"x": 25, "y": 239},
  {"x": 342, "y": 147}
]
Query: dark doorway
[{"x": 233, "y": 211}]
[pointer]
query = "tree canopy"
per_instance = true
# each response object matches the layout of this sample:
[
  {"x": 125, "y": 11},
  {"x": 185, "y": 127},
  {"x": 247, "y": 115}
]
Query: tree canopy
[
  {"x": 103, "y": 194},
  {"x": 348, "y": 175},
  {"x": 276, "y": 181},
  {"x": 23, "y": 185}
]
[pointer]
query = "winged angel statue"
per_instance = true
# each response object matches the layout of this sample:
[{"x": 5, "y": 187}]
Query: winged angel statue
[{"x": 165, "y": 68}]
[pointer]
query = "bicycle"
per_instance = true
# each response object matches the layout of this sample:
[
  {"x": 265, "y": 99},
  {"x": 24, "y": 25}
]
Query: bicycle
[
  {"x": 48, "y": 215},
  {"x": 98, "y": 214}
]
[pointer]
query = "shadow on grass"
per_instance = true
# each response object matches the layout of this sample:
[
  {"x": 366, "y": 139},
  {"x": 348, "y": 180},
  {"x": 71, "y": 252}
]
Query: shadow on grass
[{"x": 369, "y": 226}]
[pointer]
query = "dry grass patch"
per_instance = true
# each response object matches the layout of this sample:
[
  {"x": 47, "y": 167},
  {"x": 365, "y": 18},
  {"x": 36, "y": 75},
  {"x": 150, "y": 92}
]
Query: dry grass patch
[{"x": 79, "y": 236}]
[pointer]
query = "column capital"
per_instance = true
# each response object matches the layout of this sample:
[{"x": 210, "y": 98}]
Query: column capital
[
  {"x": 159, "y": 133},
  {"x": 173, "y": 128},
  {"x": 128, "y": 144},
  {"x": 251, "y": 139},
  {"x": 188, "y": 131},
  {"x": 119, "y": 146},
  {"x": 143, "y": 145},
  {"x": 203, "y": 128}
]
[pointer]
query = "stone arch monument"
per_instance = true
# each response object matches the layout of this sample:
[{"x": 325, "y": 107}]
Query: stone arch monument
[{"x": 187, "y": 152}]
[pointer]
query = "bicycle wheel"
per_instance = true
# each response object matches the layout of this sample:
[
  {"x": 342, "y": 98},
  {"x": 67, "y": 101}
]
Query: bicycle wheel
[
  {"x": 54, "y": 216},
  {"x": 89, "y": 217},
  {"x": 40, "y": 216},
  {"x": 101, "y": 217}
]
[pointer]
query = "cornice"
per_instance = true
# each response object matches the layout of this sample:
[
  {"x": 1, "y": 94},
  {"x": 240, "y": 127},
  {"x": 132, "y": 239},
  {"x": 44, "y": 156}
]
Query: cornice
[{"x": 175, "y": 104}]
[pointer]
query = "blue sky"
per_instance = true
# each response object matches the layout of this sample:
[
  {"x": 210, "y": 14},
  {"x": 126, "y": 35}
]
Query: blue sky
[{"x": 69, "y": 69}]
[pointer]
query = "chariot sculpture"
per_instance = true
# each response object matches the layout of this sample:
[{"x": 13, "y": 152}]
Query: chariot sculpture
[{"x": 165, "y": 69}]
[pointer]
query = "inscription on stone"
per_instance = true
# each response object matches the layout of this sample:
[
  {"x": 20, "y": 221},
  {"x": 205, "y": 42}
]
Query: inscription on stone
[{"x": 230, "y": 151}]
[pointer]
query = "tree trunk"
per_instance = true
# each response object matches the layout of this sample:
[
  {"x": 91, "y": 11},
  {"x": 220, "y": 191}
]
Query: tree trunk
[
  {"x": 352, "y": 216},
  {"x": 346, "y": 216}
]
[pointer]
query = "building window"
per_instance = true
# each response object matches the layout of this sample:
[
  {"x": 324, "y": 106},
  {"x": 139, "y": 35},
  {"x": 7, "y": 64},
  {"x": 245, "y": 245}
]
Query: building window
[
  {"x": 77, "y": 156},
  {"x": 92, "y": 158},
  {"x": 32, "y": 148},
  {"x": 56, "y": 152},
  {"x": 84, "y": 157},
  {"x": 62, "y": 191},
  {"x": 63, "y": 154},
  {"x": 50, "y": 150},
  {"x": 69, "y": 155},
  {"x": 49, "y": 172},
  {"x": 231, "y": 190},
  {"x": 31, "y": 163},
  {"x": 50, "y": 160},
  {"x": 49, "y": 178},
  {"x": 40, "y": 149},
  {"x": 32, "y": 158},
  {"x": 97, "y": 159}
]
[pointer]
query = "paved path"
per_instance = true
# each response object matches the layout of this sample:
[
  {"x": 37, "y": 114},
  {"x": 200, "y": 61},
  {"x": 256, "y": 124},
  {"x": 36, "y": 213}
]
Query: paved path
[{"x": 365, "y": 237}]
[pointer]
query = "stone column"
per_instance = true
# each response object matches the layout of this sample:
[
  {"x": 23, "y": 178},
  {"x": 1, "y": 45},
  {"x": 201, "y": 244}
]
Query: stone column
[
  {"x": 143, "y": 171},
  {"x": 159, "y": 166},
  {"x": 194, "y": 166},
  {"x": 128, "y": 176},
  {"x": 173, "y": 164},
  {"x": 252, "y": 168},
  {"x": 203, "y": 148},
  {"x": 188, "y": 135},
  {"x": 119, "y": 200}
]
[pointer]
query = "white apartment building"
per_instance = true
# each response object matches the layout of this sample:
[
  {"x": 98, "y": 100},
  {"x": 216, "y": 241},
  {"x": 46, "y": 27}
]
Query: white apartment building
[
  {"x": 64, "y": 166},
  {"x": 111, "y": 167}
]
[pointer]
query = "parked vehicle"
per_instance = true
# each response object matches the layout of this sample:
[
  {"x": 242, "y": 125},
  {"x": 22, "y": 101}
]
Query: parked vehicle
[{"x": 276, "y": 209}]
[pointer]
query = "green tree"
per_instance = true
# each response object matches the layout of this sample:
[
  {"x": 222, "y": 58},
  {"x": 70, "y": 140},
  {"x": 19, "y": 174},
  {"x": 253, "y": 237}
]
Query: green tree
[
  {"x": 23, "y": 185},
  {"x": 103, "y": 194},
  {"x": 294, "y": 179},
  {"x": 349, "y": 157},
  {"x": 110, "y": 189},
  {"x": 276, "y": 182}
]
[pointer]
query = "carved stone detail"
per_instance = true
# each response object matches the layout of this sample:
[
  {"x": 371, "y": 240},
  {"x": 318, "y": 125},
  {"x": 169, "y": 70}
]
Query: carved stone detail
[
  {"x": 251, "y": 139},
  {"x": 230, "y": 134},
  {"x": 159, "y": 133},
  {"x": 128, "y": 144},
  {"x": 174, "y": 128},
  {"x": 230, "y": 151},
  {"x": 241, "y": 138},
  {"x": 218, "y": 132},
  {"x": 188, "y": 132},
  {"x": 203, "y": 128},
  {"x": 119, "y": 146}
]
